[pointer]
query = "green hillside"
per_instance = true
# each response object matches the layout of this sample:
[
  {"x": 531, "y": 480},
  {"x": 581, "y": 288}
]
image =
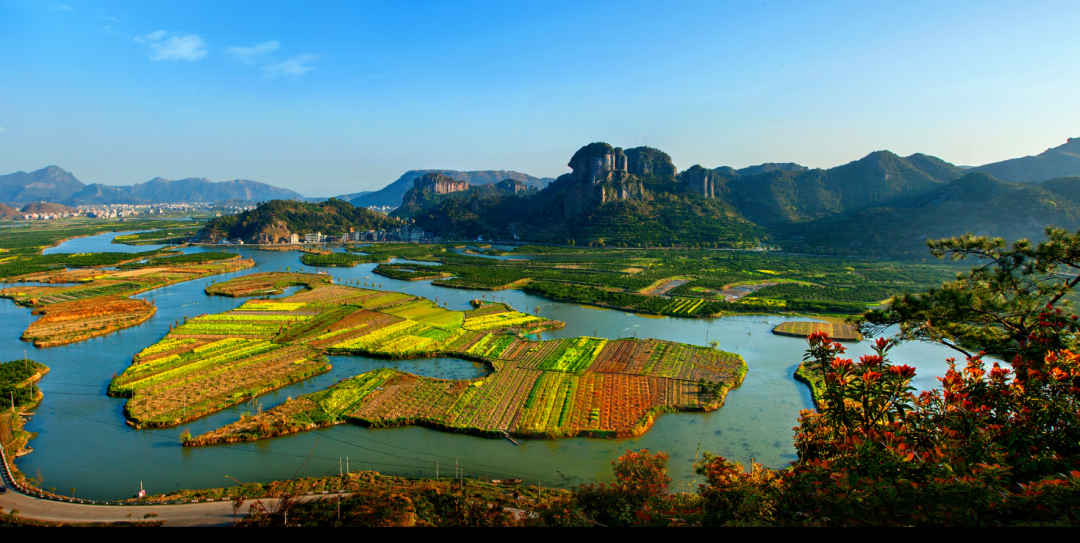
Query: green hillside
[
  {"x": 667, "y": 213},
  {"x": 275, "y": 220},
  {"x": 977, "y": 203}
]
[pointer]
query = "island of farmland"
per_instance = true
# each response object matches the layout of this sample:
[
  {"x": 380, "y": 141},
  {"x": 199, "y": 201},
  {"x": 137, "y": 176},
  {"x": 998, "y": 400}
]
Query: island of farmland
[{"x": 558, "y": 388}]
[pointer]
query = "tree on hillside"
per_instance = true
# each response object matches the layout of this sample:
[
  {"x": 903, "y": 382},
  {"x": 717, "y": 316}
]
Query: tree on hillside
[{"x": 995, "y": 308}]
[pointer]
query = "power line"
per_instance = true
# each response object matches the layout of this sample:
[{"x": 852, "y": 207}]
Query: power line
[{"x": 492, "y": 469}]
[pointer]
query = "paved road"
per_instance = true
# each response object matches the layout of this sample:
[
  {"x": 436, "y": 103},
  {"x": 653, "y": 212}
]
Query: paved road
[{"x": 187, "y": 514}]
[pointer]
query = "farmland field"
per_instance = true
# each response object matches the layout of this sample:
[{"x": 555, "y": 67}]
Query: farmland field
[
  {"x": 99, "y": 305},
  {"x": 556, "y": 388},
  {"x": 841, "y": 332}
]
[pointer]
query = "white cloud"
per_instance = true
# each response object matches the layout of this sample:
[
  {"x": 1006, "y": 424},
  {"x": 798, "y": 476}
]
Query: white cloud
[
  {"x": 153, "y": 36},
  {"x": 247, "y": 55},
  {"x": 2, "y": 129},
  {"x": 109, "y": 30},
  {"x": 63, "y": 7},
  {"x": 180, "y": 47},
  {"x": 294, "y": 67},
  {"x": 119, "y": 19}
]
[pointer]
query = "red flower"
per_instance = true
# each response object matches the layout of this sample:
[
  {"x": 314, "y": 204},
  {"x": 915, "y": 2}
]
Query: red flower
[{"x": 903, "y": 372}]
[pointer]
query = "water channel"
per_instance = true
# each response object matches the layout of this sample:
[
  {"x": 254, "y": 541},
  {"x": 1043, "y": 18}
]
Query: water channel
[{"x": 83, "y": 442}]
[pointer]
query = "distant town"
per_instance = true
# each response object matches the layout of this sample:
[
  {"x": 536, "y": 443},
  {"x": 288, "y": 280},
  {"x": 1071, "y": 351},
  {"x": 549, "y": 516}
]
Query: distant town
[
  {"x": 404, "y": 233},
  {"x": 114, "y": 211}
]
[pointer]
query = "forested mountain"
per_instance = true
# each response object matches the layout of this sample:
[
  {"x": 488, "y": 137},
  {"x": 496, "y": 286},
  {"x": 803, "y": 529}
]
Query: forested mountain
[
  {"x": 98, "y": 194},
  {"x": 392, "y": 194},
  {"x": 781, "y": 196},
  {"x": 48, "y": 184},
  {"x": 611, "y": 197},
  {"x": 882, "y": 204},
  {"x": 194, "y": 189},
  {"x": 53, "y": 184},
  {"x": 418, "y": 198},
  {"x": 275, "y": 220},
  {"x": 977, "y": 203},
  {"x": 1061, "y": 161}
]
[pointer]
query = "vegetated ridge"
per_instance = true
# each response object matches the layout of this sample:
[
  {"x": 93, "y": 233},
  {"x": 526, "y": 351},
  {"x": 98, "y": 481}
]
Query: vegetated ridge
[
  {"x": 276, "y": 220},
  {"x": 1060, "y": 161},
  {"x": 880, "y": 205},
  {"x": 53, "y": 184},
  {"x": 392, "y": 194}
]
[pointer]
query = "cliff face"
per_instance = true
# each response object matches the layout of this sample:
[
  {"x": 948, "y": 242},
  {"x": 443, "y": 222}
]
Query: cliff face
[
  {"x": 649, "y": 161},
  {"x": 703, "y": 181},
  {"x": 511, "y": 186},
  {"x": 600, "y": 175},
  {"x": 439, "y": 183}
]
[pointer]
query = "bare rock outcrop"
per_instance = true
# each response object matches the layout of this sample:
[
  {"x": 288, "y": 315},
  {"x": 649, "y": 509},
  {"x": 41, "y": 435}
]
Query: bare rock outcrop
[
  {"x": 645, "y": 161},
  {"x": 439, "y": 183},
  {"x": 599, "y": 176},
  {"x": 703, "y": 181}
]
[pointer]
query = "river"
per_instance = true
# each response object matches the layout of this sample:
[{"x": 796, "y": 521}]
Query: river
[{"x": 83, "y": 443}]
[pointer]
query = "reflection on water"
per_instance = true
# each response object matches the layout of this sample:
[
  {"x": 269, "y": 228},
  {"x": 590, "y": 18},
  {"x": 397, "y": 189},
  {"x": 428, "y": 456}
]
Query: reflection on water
[{"x": 84, "y": 443}]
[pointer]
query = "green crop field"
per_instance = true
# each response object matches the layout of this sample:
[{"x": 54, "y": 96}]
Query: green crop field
[
  {"x": 697, "y": 278},
  {"x": 561, "y": 387},
  {"x": 427, "y": 312}
]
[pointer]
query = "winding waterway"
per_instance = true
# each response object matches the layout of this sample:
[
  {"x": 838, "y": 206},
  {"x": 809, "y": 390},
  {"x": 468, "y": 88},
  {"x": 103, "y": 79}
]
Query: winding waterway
[{"x": 84, "y": 443}]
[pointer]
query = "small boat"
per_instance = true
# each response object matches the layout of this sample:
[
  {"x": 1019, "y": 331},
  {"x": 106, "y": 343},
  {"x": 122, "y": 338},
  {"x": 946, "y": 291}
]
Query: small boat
[
  {"x": 507, "y": 435},
  {"x": 506, "y": 481}
]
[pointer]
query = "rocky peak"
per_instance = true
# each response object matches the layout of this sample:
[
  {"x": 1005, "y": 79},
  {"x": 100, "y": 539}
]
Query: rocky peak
[
  {"x": 649, "y": 161},
  {"x": 439, "y": 183},
  {"x": 1071, "y": 147},
  {"x": 511, "y": 186},
  {"x": 599, "y": 175},
  {"x": 702, "y": 181},
  {"x": 598, "y": 163}
]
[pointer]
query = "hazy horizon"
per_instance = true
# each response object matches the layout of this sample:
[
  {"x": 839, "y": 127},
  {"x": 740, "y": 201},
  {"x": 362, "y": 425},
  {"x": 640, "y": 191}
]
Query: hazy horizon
[{"x": 334, "y": 99}]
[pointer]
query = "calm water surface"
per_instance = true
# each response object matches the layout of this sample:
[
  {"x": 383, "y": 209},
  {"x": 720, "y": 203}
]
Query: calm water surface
[
  {"x": 101, "y": 243},
  {"x": 83, "y": 442}
]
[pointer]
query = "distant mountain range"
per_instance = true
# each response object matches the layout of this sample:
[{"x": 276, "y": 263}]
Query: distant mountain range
[
  {"x": 392, "y": 194},
  {"x": 53, "y": 184},
  {"x": 880, "y": 205},
  {"x": 1061, "y": 161}
]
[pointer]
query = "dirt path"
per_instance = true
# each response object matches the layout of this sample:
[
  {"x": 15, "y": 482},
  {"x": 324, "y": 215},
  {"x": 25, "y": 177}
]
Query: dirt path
[{"x": 662, "y": 287}]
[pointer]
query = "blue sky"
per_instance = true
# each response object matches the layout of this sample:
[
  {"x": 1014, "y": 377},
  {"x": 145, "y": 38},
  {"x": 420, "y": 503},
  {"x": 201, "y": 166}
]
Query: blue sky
[{"x": 333, "y": 97}]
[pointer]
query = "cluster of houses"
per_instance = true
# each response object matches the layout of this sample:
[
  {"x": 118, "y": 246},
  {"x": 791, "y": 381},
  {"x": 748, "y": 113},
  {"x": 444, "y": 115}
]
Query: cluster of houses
[
  {"x": 404, "y": 233},
  {"x": 113, "y": 211},
  {"x": 47, "y": 216}
]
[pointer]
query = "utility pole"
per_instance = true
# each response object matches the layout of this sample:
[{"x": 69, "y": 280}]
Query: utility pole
[
  {"x": 347, "y": 465},
  {"x": 340, "y": 474},
  {"x": 436, "y": 471}
]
